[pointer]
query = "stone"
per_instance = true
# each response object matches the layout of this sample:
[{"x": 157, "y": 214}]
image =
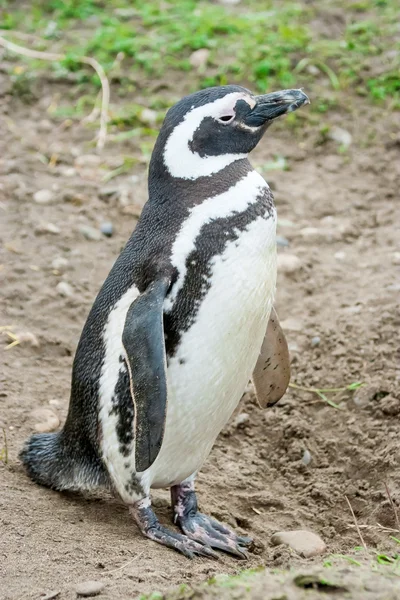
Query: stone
[
  {"x": 396, "y": 258},
  {"x": 65, "y": 289},
  {"x": 89, "y": 588},
  {"x": 288, "y": 263},
  {"x": 241, "y": 420},
  {"x": 292, "y": 324},
  {"x": 27, "y": 337},
  {"x": 282, "y": 241},
  {"x": 305, "y": 543},
  {"x": 148, "y": 116},
  {"x": 90, "y": 233},
  {"x": 60, "y": 263},
  {"x": 341, "y": 136},
  {"x": 47, "y": 228},
  {"x": 340, "y": 255},
  {"x": 315, "y": 341},
  {"x": 306, "y": 458},
  {"x": 199, "y": 58},
  {"x": 107, "y": 229},
  {"x": 43, "y": 196},
  {"x": 46, "y": 420}
]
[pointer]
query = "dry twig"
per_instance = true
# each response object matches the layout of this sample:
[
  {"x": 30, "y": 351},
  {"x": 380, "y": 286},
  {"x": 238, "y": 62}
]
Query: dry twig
[
  {"x": 396, "y": 516},
  {"x": 87, "y": 60},
  {"x": 356, "y": 524}
]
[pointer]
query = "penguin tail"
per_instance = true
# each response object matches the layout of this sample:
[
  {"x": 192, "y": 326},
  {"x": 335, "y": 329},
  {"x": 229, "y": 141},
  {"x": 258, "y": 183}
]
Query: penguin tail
[{"x": 49, "y": 461}]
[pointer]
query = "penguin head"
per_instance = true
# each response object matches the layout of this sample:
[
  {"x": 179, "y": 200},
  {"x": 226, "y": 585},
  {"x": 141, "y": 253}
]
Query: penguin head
[{"x": 206, "y": 131}]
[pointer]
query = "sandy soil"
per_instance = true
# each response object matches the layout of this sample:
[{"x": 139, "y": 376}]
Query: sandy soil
[{"x": 344, "y": 290}]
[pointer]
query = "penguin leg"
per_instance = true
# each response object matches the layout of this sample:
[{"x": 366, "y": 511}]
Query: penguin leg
[
  {"x": 152, "y": 528},
  {"x": 201, "y": 528}
]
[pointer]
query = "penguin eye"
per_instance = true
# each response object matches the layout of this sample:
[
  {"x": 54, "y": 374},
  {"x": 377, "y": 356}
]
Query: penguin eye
[{"x": 226, "y": 118}]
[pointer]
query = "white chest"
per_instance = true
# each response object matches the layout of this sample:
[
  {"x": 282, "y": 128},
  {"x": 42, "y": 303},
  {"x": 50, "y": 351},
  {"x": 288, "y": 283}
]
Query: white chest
[{"x": 216, "y": 356}]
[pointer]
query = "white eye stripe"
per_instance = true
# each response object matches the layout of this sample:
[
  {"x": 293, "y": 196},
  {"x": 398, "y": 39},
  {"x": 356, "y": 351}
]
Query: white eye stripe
[{"x": 179, "y": 158}]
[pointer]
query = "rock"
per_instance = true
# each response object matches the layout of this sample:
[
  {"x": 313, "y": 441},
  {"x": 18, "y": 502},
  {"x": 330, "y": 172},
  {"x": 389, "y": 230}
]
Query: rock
[
  {"x": 89, "y": 588},
  {"x": 292, "y": 324},
  {"x": 396, "y": 258},
  {"x": 305, "y": 543},
  {"x": 310, "y": 233},
  {"x": 340, "y": 255},
  {"x": 46, "y": 420},
  {"x": 341, "y": 136},
  {"x": 288, "y": 263},
  {"x": 51, "y": 595},
  {"x": 27, "y": 337},
  {"x": 229, "y": 2},
  {"x": 241, "y": 420},
  {"x": 65, "y": 289},
  {"x": 47, "y": 228},
  {"x": 60, "y": 263},
  {"x": 282, "y": 241},
  {"x": 148, "y": 116},
  {"x": 315, "y": 341},
  {"x": 199, "y": 58},
  {"x": 107, "y": 229},
  {"x": 88, "y": 160},
  {"x": 313, "y": 70},
  {"x": 306, "y": 459},
  {"x": 90, "y": 233},
  {"x": 43, "y": 196}
]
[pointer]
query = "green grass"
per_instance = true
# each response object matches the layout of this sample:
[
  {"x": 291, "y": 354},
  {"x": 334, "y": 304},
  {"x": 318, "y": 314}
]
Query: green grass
[{"x": 264, "y": 45}]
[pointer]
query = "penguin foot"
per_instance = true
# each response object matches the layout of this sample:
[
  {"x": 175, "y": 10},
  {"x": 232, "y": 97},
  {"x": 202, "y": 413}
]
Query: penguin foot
[
  {"x": 151, "y": 528},
  {"x": 202, "y": 528}
]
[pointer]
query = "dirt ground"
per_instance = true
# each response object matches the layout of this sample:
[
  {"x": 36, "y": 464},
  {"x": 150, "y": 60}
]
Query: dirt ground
[{"x": 344, "y": 290}]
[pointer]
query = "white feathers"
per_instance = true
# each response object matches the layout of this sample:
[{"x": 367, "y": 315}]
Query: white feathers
[
  {"x": 112, "y": 366},
  {"x": 236, "y": 199},
  {"x": 219, "y": 353},
  {"x": 179, "y": 158}
]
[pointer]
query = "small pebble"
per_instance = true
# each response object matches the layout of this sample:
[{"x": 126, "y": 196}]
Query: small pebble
[
  {"x": 282, "y": 241},
  {"x": 288, "y": 263},
  {"x": 340, "y": 255},
  {"x": 43, "y": 196},
  {"x": 89, "y": 588},
  {"x": 50, "y": 595},
  {"x": 107, "y": 229},
  {"x": 90, "y": 233},
  {"x": 199, "y": 58},
  {"x": 306, "y": 459},
  {"x": 315, "y": 341},
  {"x": 342, "y": 136},
  {"x": 88, "y": 160},
  {"x": 305, "y": 543},
  {"x": 27, "y": 337},
  {"x": 241, "y": 420},
  {"x": 292, "y": 324},
  {"x": 60, "y": 263},
  {"x": 65, "y": 289},
  {"x": 396, "y": 258},
  {"x": 148, "y": 116},
  {"x": 48, "y": 228},
  {"x": 46, "y": 420}
]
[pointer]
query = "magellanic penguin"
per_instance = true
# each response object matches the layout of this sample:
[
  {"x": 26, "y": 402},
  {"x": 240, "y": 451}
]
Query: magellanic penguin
[{"x": 182, "y": 323}]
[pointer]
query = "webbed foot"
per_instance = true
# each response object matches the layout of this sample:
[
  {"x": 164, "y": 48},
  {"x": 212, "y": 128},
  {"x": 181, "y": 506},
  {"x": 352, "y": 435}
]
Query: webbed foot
[
  {"x": 151, "y": 528},
  {"x": 204, "y": 529}
]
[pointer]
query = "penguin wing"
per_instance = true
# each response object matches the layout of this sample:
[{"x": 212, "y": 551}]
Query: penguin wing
[
  {"x": 271, "y": 375},
  {"x": 143, "y": 341}
]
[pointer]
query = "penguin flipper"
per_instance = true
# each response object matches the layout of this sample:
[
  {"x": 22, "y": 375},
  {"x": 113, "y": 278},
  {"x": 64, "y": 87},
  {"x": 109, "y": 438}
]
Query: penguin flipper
[
  {"x": 143, "y": 342},
  {"x": 271, "y": 375}
]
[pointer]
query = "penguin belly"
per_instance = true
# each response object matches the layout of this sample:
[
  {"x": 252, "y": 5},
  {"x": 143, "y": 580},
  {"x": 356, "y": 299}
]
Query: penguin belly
[{"x": 217, "y": 354}]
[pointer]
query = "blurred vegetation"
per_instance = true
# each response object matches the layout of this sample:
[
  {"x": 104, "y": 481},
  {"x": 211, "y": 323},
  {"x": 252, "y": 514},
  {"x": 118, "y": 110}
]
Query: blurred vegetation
[{"x": 265, "y": 44}]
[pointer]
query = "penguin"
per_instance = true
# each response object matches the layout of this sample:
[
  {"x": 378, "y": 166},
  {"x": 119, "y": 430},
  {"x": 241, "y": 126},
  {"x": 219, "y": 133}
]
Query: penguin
[{"x": 182, "y": 323}]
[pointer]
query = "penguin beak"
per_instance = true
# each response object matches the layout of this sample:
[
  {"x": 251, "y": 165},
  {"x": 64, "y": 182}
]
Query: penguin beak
[{"x": 270, "y": 106}]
